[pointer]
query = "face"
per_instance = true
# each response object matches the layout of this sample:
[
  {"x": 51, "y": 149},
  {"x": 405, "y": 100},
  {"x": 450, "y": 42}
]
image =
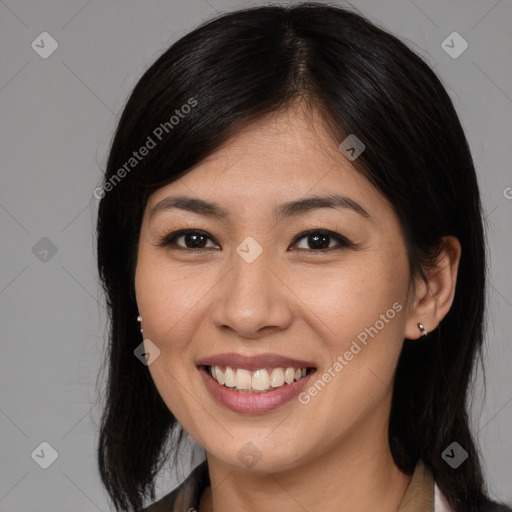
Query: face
[{"x": 256, "y": 288}]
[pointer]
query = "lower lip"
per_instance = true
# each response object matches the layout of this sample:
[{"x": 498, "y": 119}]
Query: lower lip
[{"x": 253, "y": 403}]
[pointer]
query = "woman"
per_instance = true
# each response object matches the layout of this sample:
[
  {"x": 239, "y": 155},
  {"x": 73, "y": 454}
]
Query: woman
[{"x": 290, "y": 215}]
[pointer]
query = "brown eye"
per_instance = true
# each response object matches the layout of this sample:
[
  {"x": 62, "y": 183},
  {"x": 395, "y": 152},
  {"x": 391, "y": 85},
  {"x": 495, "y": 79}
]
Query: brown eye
[
  {"x": 320, "y": 240},
  {"x": 316, "y": 240},
  {"x": 192, "y": 239}
]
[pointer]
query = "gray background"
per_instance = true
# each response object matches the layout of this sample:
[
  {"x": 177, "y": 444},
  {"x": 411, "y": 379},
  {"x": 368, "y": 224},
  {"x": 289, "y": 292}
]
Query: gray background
[{"x": 57, "y": 118}]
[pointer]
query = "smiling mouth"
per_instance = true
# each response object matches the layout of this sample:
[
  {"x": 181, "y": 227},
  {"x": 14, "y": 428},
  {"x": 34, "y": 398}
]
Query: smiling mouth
[{"x": 262, "y": 380}]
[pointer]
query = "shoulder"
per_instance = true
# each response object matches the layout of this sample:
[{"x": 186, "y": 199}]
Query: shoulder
[
  {"x": 186, "y": 496},
  {"x": 441, "y": 504}
]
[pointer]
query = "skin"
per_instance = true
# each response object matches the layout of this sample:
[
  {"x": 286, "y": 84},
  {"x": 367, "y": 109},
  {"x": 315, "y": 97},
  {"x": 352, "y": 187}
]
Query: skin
[{"x": 331, "y": 454}]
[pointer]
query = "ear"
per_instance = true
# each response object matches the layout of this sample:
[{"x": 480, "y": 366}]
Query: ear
[{"x": 433, "y": 299}]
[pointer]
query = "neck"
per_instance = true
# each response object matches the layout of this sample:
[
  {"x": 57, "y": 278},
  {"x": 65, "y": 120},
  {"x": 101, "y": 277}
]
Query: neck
[{"x": 356, "y": 475}]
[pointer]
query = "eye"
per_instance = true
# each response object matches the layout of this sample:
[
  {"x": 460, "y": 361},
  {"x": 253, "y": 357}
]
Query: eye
[
  {"x": 318, "y": 240},
  {"x": 193, "y": 237}
]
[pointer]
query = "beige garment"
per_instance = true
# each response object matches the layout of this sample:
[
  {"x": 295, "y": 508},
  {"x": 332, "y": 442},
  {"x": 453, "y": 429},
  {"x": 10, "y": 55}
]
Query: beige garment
[{"x": 420, "y": 496}]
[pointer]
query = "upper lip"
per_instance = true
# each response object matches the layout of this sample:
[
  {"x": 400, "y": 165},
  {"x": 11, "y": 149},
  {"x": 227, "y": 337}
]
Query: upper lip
[{"x": 255, "y": 362}]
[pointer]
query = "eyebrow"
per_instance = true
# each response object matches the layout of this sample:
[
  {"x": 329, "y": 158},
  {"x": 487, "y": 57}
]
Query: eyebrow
[{"x": 289, "y": 209}]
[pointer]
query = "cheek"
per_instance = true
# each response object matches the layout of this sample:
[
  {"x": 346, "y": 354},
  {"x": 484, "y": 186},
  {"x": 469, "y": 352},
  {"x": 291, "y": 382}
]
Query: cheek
[
  {"x": 166, "y": 294},
  {"x": 166, "y": 298},
  {"x": 356, "y": 297},
  {"x": 368, "y": 323},
  {"x": 362, "y": 321}
]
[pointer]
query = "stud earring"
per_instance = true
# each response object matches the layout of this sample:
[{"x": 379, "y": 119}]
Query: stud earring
[
  {"x": 139, "y": 319},
  {"x": 422, "y": 329}
]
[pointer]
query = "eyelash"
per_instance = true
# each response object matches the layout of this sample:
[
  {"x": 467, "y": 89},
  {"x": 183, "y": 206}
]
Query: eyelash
[{"x": 343, "y": 242}]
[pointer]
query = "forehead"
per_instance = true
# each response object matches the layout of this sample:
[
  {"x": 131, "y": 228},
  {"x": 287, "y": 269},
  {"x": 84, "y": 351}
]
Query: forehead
[{"x": 279, "y": 158}]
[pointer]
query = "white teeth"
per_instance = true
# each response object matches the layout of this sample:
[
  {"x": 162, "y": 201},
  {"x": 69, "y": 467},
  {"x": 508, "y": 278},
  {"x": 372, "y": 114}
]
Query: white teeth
[
  {"x": 289, "y": 375},
  {"x": 277, "y": 378},
  {"x": 218, "y": 375},
  {"x": 242, "y": 379},
  {"x": 260, "y": 380},
  {"x": 229, "y": 377}
]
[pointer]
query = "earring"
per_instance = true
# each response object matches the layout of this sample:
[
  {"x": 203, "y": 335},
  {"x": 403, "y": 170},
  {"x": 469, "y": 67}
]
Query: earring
[
  {"x": 139, "y": 319},
  {"x": 422, "y": 329}
]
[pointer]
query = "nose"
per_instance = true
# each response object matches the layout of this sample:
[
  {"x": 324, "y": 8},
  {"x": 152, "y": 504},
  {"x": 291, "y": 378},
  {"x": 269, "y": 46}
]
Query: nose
[{"x": 253, "y": 299}]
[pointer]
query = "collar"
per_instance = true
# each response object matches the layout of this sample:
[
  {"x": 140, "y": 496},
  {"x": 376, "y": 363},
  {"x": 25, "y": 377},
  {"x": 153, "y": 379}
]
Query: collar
[{"x": 419, "y": 496}]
